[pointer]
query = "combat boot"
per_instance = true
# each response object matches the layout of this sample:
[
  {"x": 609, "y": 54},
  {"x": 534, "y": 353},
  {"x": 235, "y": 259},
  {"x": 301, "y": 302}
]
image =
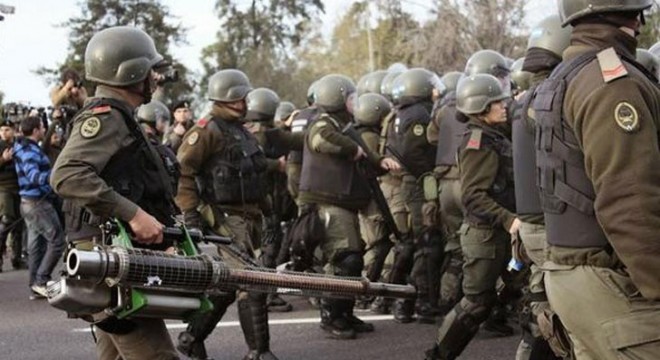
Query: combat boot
[
  {"x": 276, "y": 304},
  {"x": 403, "y": 311},
  {"x": 381, "y": 306},
  {"x": 357, "y": 324},
  {"x": 334, "y": 323},
  {"x": 187, "y": 345},
  {"x": 426, "y": 312}
]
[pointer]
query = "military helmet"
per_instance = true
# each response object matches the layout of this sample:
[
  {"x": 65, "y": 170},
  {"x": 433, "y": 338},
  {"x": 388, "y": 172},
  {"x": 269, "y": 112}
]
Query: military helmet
[
  {"x": 284, "y": 110},
  {"x": 261, "y": 105},
  {"x": 120, "y": 56},
  {"x": 476, "y": 92},
  {"x": 228, "y": 85},
  {"x": 549, "y": 35},
  {"x": 450, "y": 81},
  {"x": 332, "y": 92},
  {"x": 650, "y": 61},
  {"x": 655, "y": 49},
  {"x": 522, "y": 79},
  {"x": 571, "y": 10},
  {"x": 371, "y": 109},
  {"x": 310, "y": 93},
  {"x": 487, "y": 62},
  {"x": 153, "y": 112},
  {"x": 415, "y": 85},
  {"x": 387, "y": 85},
  {"x": 371, "y": 82}
]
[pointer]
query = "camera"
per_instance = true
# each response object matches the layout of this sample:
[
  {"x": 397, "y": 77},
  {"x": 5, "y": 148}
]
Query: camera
[{"x": 169, "y": 75}]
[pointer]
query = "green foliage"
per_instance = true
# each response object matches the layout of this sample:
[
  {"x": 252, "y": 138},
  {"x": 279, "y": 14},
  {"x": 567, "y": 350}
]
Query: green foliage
[
  {"x": 149, "y": 15},
  {"x": 258, "y": 38},
  {"x": 651, "y": 31}
]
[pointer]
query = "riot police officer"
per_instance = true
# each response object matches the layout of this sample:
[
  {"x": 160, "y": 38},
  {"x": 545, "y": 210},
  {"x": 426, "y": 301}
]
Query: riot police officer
[
  {"x": 447, "y": 132},
  {"x": 413, "y": 93},
  {"x": 337, "y": 198},
  {"x": 547, "y": 42},
  {"x": 278, "y": 207},
  {"x": 221, "y": 189},
  {"x": 120, "y": 175},
  {"x": 153, "y": 117},
  {"x": 486, "y": 175},
  {"x": 369, "y": 113},
  {"x": 598, "y": 163}
]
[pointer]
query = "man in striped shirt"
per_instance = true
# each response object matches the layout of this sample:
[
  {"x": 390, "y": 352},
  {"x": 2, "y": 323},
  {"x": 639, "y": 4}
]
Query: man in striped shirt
[{"x": 45, "y": 233}]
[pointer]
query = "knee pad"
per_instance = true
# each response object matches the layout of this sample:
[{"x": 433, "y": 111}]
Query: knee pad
[
  {"x": 349, "y": 264},
  {"x": 476, "y": 309}
]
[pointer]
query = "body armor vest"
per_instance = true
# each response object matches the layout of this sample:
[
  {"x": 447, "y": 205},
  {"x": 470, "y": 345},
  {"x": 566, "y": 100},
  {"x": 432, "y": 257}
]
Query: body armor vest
[
  {"x": 235, "y": 176},
  {"x": 418, "y": 157},
  {"x": 567, "y": 194},
  {"x": 450, "y": 132},
  {"x": 528, "y": 198},
  {"x": 502, "y": 191},
  {"x": 332, "y": 176},
  {"x": 392, "y": 140},
  {"x": 136, "y": 172},
  {"x": 299, "y": 124}
]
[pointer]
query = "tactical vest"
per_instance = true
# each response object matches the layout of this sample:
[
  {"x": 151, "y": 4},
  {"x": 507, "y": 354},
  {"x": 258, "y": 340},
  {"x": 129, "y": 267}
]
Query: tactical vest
[
  {"x": 528, "y": 198},
  {"x": 235, "y": 176},
  {"x": 418, "y": 158},
  {"x": 172, "y": 166},
  {"x": 330, "y": 175},
  {"x": 299, "y": 124},
  {"x": 450, "y": 133},
  {"x": 136, "y": 172},
  {"x": 502, "y": 190},
  {"x": 567, "y": 194}
]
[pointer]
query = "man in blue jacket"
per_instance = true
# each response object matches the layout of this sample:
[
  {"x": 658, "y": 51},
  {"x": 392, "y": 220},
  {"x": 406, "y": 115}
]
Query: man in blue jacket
[{"x": 45, "y": 233}]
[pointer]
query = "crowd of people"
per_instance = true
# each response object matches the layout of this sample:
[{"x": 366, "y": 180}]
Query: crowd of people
[{"x": 519, "y": 190}]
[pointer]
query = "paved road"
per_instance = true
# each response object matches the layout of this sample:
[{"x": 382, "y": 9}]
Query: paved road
[{"x": 33, "y": 330}]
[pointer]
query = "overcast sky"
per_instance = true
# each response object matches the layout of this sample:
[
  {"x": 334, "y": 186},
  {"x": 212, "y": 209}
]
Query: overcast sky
[{"x": 29, "y": 38}]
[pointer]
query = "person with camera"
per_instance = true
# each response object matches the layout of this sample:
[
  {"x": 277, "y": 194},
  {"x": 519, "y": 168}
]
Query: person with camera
[{"x": 67, "y": 97}]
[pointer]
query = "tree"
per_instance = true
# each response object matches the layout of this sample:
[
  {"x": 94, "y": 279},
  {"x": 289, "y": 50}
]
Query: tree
[
  {"x": 260, "y": 39},
  {"x": 463, "y": 27},
  {"x": 149, "y": 15},
  {"x": 347, "y": 51},
  {"x": 651, "y": 31}
]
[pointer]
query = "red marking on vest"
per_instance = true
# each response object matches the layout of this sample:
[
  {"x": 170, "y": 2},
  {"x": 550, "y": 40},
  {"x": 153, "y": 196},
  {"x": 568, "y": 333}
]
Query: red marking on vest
[
  {"x": 202, "y": 122},
  {"x": 614, "y": 71},
  {"x": 101, "y": 109},
  {"x": 473, "y": 144}
]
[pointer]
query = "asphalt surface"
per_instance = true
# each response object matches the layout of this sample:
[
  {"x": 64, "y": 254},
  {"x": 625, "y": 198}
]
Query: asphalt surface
[{"x": 34, "y": 330}]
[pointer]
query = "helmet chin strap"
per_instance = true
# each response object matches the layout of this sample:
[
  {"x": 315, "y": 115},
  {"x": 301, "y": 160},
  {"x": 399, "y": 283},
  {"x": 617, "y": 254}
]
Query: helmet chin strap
[{"x": 146, "y": 92}]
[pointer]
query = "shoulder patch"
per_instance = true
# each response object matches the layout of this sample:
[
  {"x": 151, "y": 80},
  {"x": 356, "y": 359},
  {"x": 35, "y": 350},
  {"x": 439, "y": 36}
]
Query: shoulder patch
[
  {"x": 474, "y": 142},
  {"x": 626, "y": 117},
  {"x": 202, "y": 122},
  {"x": 611, "y": 66},
  {"x": 418, "y": 130},
  {"x": 103, "y": 109},
  {"x": 90, "y": 127},
  {"x": 193, "y": 138}
]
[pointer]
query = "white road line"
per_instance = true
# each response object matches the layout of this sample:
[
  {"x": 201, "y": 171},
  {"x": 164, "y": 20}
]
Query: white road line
[{"x": 271, "y": 322}]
